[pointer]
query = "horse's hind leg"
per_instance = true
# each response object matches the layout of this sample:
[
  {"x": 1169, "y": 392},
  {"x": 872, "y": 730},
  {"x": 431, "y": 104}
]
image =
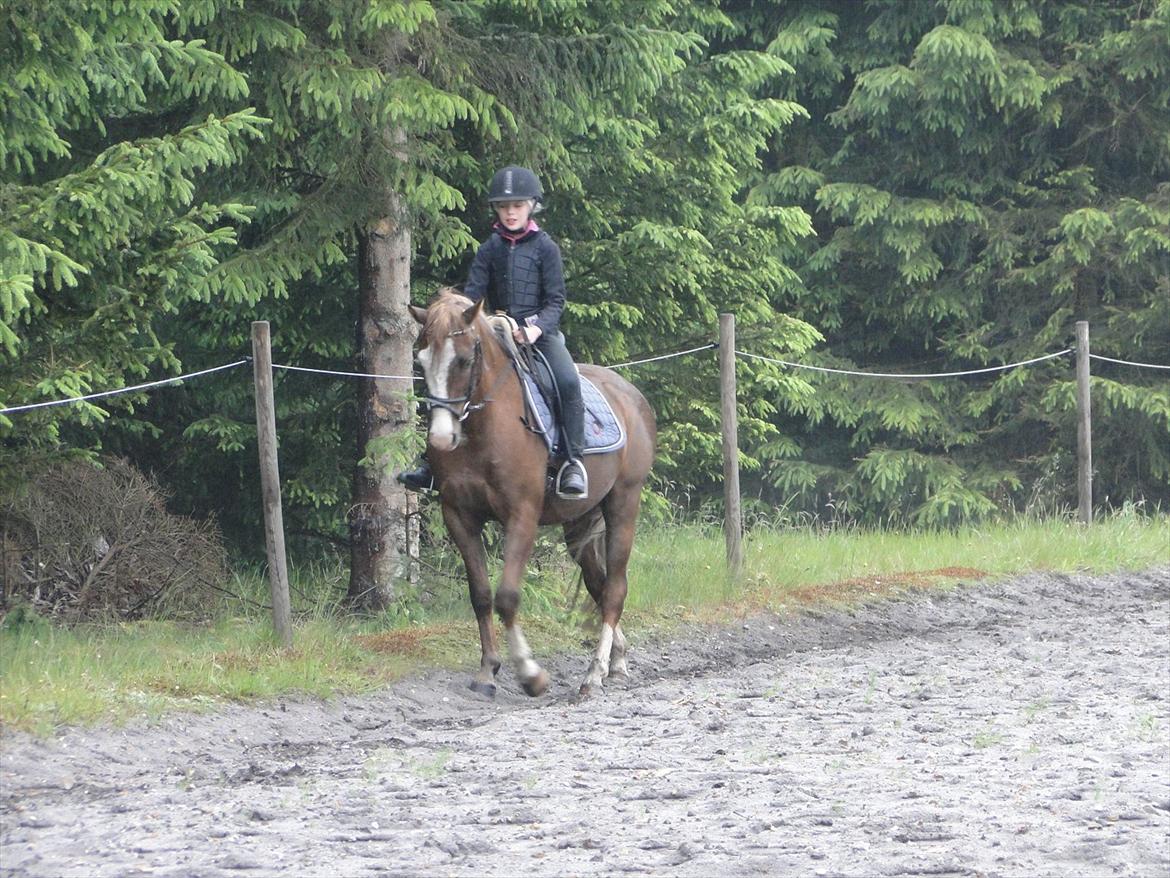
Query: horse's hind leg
[
  {"x": 621, "y": 514},
  {"x": 585, "y": 540}
]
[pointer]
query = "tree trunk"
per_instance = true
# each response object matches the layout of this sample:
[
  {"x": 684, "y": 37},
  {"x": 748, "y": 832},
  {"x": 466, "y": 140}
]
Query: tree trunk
[{"x": 380, "y": 535}]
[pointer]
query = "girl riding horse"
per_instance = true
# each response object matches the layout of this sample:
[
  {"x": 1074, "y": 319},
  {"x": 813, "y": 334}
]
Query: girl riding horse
[{"x": 520, "y": 272}]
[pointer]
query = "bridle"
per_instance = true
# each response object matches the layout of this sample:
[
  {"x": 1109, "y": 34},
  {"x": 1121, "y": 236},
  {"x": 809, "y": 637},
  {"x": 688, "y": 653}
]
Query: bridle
[
  {"x": 461, "y": 407},
  {"x": 450, "y": 403}
]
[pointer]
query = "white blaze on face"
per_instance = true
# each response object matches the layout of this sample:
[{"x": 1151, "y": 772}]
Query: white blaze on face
[{"x": 445, "y": 429}]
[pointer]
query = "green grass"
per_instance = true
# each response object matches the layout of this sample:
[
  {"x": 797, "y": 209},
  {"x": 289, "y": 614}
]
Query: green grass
[
  {"x": 51, "y": 677},
  {"x": 683, "y": 567}
]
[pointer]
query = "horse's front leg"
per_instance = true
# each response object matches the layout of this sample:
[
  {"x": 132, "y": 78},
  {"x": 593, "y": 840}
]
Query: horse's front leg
[
  {"x": 519, "y": 538},
  {"x": 468, "y": 536},
  {"x": 619, "y": 669}
]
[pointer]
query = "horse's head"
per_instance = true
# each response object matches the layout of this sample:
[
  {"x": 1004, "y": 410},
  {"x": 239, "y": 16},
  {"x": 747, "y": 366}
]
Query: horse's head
[{"x": 451, "y": 355}]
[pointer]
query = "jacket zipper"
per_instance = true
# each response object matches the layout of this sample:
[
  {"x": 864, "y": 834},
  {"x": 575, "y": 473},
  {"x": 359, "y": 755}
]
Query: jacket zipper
[{"x": 511, "y": 275}]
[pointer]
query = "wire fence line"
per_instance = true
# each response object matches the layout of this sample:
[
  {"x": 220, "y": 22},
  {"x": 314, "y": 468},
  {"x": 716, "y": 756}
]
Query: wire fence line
[
  {"x": 347, "y": 374},
  {"x": 670, "y": 356},
  {"x": 1127, "y": 362},
  {"x": 120, "y": 390},
  {"x": 707, "y": 347},
  {"x": 907, "y": 375}
]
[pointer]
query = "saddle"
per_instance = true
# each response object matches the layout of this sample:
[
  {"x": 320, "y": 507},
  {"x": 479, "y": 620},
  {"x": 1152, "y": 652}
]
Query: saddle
[{"x": 603, "y": 431}]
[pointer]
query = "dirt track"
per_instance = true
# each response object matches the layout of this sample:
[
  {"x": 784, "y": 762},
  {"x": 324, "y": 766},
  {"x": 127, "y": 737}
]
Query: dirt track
[{"x": 1021, "y": 729}]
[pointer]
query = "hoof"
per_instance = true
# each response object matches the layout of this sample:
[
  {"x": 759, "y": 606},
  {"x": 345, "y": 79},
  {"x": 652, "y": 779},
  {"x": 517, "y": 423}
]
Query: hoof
[
  {"x": 619, "y": 678},
  {"x": 587, "y": 690},
  {"x": 538, "y": 685},
  {"x": 488, "y": 689}
]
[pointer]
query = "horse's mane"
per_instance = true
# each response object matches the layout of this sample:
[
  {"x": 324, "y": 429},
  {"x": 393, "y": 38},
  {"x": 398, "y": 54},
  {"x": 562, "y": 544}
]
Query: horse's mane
[
  {"x": 445, "y": 311},
  {"x": 445, "y": 315}
]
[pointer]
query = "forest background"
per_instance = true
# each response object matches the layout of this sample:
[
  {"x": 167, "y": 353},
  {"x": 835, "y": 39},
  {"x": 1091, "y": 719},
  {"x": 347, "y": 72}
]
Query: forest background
[{"x": 897, "y": 186}]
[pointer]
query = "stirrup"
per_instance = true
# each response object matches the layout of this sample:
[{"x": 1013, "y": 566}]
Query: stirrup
[{"x": 584, "y": 478}]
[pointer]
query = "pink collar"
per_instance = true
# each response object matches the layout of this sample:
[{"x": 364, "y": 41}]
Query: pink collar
[{"x": 516, "y": 236}]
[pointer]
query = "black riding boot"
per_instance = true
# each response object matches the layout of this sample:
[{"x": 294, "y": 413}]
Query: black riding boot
[
  {"x": 418, "y": 479},
  {"x": 572, "y": 479}
]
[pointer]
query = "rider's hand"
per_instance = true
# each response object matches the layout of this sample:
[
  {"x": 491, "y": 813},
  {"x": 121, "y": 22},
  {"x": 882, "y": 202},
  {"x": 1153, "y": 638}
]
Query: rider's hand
[{"x": 526, "y": 334}]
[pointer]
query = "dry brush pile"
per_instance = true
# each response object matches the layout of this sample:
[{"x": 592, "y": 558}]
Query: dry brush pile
[{"x": 80, "y": 542}]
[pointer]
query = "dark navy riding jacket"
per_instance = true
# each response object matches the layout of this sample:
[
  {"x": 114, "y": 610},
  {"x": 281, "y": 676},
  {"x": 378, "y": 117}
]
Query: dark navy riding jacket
[{"x": 522, "y": 275}]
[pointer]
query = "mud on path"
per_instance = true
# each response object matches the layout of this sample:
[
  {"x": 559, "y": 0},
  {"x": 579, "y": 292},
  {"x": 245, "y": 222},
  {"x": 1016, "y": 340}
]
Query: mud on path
[{"x": 1019, "y": 728}]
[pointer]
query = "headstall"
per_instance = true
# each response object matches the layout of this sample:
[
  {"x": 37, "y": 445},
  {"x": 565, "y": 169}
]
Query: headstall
[{"x": 468, "y": 406}]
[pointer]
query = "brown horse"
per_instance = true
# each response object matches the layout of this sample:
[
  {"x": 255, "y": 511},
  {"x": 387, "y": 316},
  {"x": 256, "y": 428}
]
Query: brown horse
[{"x": 490, "y": 467}]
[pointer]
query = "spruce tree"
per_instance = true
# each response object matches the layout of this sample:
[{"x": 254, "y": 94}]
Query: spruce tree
[
  {"x": 981, "y": 176},
  {"x": 104, "y": 233}
]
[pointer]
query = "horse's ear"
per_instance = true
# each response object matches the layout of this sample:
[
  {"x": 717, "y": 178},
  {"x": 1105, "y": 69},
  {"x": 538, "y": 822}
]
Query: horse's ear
[
  {"x": 471, "y": 313},
  {"x": 419, "y": 314}
]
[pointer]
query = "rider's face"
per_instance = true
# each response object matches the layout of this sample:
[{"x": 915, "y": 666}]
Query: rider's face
[{"x": 513, "y": 215}]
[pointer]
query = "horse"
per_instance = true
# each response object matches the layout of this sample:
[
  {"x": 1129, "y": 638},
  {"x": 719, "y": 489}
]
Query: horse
[{"x": 489, "y": 466}]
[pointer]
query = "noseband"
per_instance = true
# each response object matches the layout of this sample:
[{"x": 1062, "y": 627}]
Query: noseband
[{"x": 467, "y": 406}]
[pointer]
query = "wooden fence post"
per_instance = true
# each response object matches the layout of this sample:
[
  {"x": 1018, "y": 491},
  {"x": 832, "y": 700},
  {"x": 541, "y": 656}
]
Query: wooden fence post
[
  {"x": 270, "y": 481},
  {"x": 733, "y": 520},
  {"x": 1084, "y": 428}
]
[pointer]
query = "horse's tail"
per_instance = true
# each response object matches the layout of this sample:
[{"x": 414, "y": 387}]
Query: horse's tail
[{"x": 586, "y": 535}]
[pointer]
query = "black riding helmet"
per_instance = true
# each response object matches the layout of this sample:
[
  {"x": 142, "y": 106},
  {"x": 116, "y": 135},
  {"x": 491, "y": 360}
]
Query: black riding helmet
[{"x": 516, "y": 184}]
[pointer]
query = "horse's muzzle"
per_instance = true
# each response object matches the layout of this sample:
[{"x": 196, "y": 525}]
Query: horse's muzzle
[{"x": 445, "y": 440}]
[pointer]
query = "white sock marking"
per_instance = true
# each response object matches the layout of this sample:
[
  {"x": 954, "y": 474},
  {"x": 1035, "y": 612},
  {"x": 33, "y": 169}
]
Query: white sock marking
[
  {"x": 604, "y": 647},
  {"x": 526, "y": 667}
]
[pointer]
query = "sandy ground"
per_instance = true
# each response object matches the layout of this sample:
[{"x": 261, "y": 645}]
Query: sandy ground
[{"x": 1019, "y": 728}]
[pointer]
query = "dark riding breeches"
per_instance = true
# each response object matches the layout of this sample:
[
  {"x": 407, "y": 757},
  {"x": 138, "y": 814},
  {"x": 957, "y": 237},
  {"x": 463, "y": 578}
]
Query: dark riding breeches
[{"x": 569, "y": 383}]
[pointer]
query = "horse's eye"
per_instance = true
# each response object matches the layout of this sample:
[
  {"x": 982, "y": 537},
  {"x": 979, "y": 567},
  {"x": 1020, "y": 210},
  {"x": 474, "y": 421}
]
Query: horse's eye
[{"x": 462, "y": 362}]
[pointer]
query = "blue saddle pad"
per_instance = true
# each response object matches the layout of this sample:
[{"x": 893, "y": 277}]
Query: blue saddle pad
[{"x": 603, "y": 431}]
